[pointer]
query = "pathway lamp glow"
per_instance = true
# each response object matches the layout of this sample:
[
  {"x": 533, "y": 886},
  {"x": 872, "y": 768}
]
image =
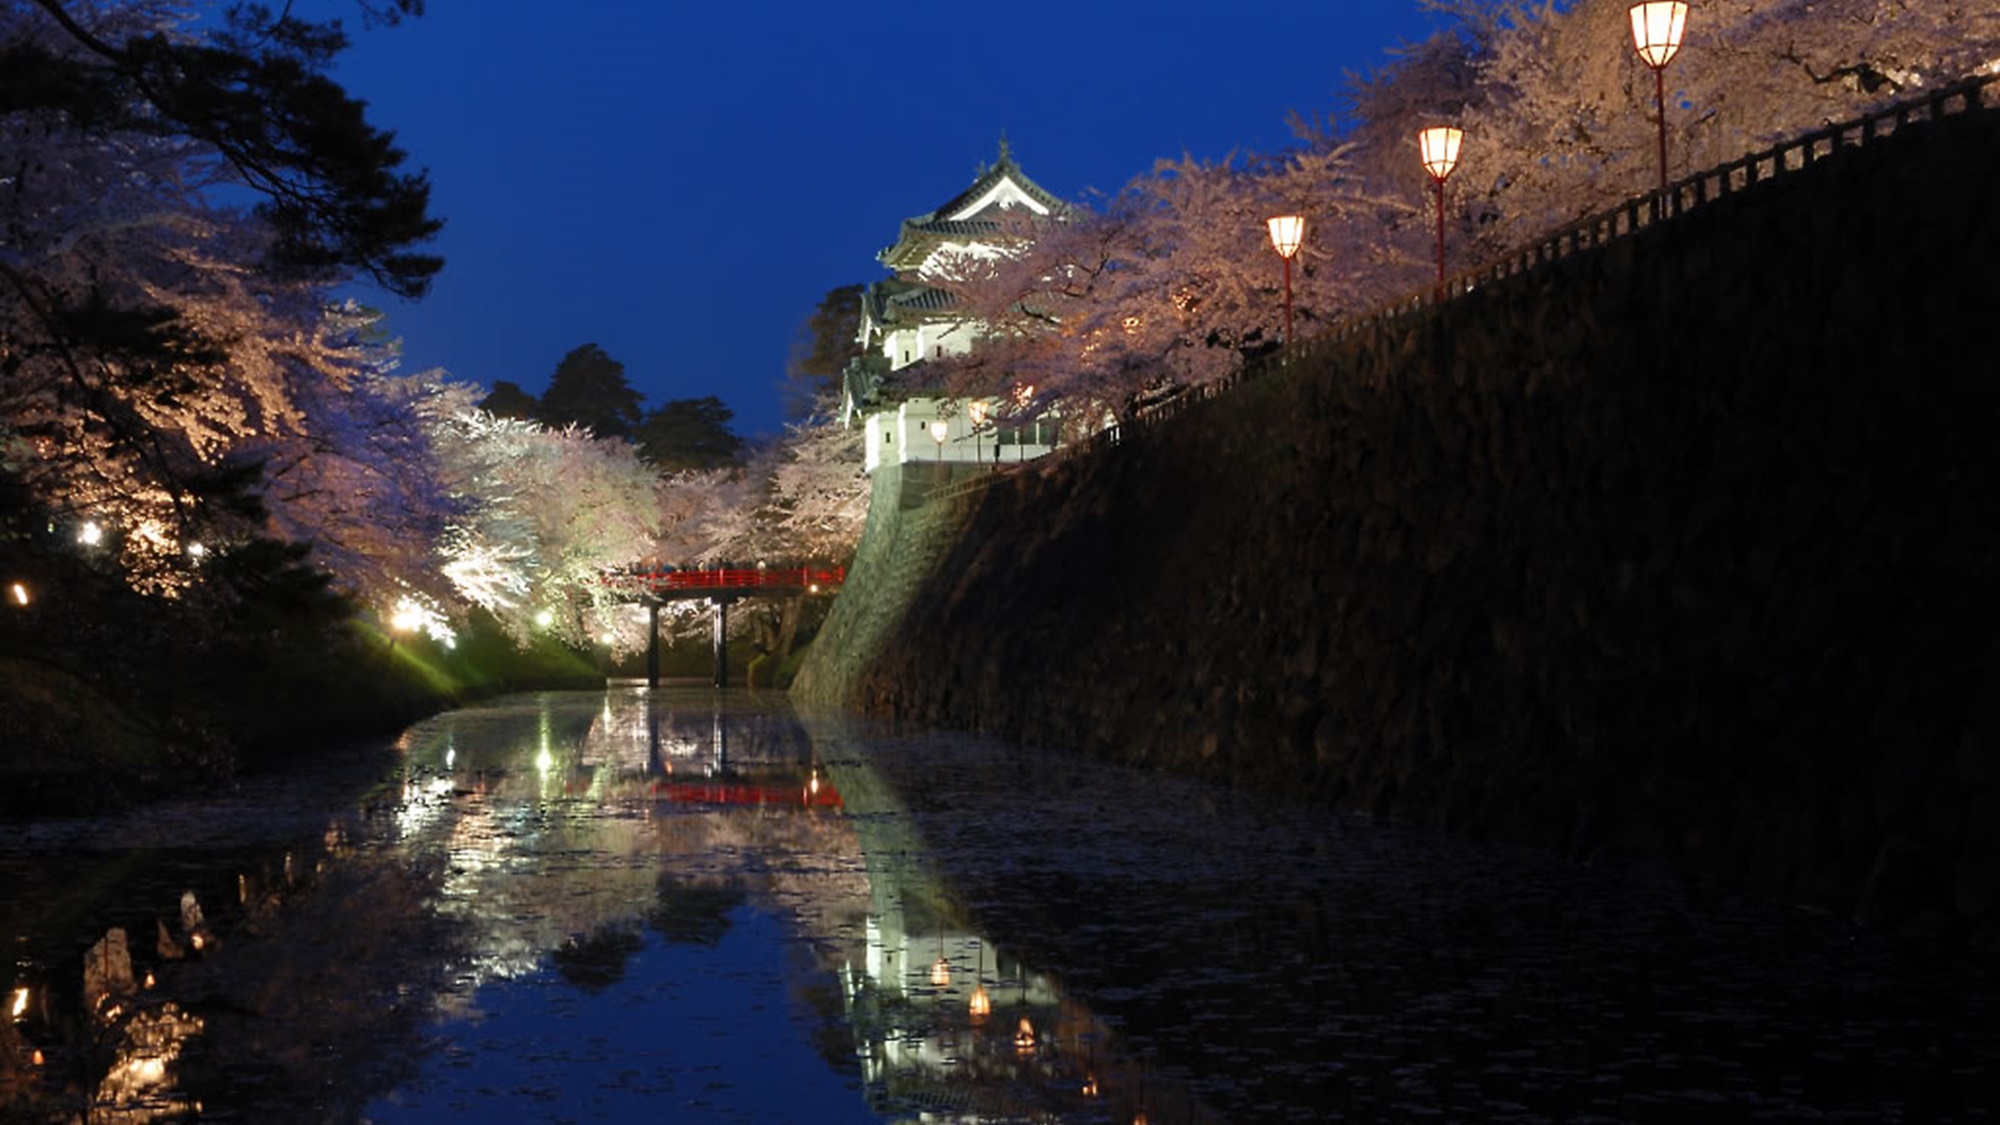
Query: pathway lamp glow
[
  {"x": 1656, "y": 34},
  {"x": 1439, "y": 147},
  {"x": 17, "y": 593},
  {"x": 978, "y": 412},
  {"x": 939, "y": 429},
  {"x": 90, "y": 534},
  {"x": 1288, "y": 232}
]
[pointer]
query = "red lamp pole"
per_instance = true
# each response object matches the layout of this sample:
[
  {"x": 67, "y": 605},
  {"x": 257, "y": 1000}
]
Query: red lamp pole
[
  {"x": 1439, "y": 148},
  {"x": 1288, "y": 232},
  {"x": 1657, "y": 26}
]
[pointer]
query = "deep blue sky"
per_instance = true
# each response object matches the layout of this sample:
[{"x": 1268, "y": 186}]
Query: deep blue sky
[{"x": 679, "y": 181}]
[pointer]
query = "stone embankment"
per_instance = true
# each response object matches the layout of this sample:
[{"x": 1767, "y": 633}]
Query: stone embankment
[{"x": 1682, "y": 549}]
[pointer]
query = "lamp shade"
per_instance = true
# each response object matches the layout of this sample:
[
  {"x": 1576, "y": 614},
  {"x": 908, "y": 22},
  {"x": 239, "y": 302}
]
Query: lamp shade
[
  {"x": 1287, "y": 232},
  {"x": 1656, "y": 30},
  {"x": 1439, "y": 145}
]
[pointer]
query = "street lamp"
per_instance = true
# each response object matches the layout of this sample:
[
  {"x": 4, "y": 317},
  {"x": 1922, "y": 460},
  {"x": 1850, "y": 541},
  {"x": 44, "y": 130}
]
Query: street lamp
[
  {"x": 1287, "y": 232},
  {"x": 1656, "y": 34},
  {"x": 1439, "y": 146},
  {"x": 939, "y": 429},
  {"x": 978, "y": 412}
]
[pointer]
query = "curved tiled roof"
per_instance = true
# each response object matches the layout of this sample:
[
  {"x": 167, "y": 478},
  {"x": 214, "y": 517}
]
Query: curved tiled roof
[{"x": 920, "y": 232}]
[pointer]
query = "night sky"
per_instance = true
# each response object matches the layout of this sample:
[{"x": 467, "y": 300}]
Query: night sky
[{"x": 680, "y": 182}]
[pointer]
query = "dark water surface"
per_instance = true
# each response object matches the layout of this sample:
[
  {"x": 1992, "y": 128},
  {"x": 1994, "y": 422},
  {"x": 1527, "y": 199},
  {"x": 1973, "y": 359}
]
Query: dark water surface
[{"x": 674, "y": 906}]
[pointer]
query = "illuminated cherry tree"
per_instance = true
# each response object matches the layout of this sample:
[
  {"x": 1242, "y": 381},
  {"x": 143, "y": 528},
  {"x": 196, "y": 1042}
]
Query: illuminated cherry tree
[
  {"x": 1173, "y": 283},
  {"x": 154, "y": 343},
  {"x": 546, "y": 514},
  {"x": 1559, "y": 114}
]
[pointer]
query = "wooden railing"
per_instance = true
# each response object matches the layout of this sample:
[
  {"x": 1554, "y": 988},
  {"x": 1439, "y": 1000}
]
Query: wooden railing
[
  {"x": 693, "y": 583},
  {"x": 1588, "y": 233}
]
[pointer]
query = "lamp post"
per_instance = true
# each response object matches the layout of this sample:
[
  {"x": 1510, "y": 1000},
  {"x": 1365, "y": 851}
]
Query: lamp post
[
  {"x": 1439, "y": 146},
  {"x": 977, "y": 411},
  {"x": 1656, "y": 34},
  {"x": 1287, "y": 232}
]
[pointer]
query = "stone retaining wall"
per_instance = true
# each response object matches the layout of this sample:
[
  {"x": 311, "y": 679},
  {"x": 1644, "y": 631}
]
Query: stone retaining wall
[{"x": 1682, "y": 549}]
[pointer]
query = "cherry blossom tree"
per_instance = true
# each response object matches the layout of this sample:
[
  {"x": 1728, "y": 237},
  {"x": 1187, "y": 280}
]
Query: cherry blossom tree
[
  {"x": 152, "y": 340},
  {"x": 1559, "y": 113},
  {"x": 1172, "y": 284},
  {"x": 547, "y": 514}
]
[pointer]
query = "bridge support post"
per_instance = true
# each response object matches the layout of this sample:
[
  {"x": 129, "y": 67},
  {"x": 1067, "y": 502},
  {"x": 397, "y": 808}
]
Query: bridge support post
[
  {"x": 653, "y": 645},
  {"x": 721, "y": 624}
]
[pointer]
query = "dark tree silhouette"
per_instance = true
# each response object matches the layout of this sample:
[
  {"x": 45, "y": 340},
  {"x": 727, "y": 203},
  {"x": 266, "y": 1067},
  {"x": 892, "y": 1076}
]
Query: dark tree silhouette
[
  {"x": 508, "y": 400},
  {"x": 689, "y": 434},
  {"x": 825, "y": 344},
  {"x": 589, "y": 389}
]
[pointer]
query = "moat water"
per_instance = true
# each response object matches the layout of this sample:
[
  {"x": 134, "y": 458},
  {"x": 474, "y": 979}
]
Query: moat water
[{"x": 684, "y": 905}]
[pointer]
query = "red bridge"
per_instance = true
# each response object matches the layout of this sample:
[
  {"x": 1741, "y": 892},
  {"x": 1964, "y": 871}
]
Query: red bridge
[
  {"x": 725, "y": 582},
  {"x": 719, "y": 586}
]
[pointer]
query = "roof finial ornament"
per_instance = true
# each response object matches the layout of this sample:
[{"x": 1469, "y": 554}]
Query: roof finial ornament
[{"x": 1006, "y": 150}]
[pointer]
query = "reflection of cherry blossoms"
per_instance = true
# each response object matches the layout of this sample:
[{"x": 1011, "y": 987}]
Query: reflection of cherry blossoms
[{"x": 146, "y": 1038}]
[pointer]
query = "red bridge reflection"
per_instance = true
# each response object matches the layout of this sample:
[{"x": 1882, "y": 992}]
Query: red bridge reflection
[{"x": 812, "y": 794}]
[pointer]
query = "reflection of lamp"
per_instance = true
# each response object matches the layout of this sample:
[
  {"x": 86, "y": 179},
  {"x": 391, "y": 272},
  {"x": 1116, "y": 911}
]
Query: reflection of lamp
[
  {"x": 941, "y": 968},
  {"x": 1287, "y": 232},
  {"x": 1656, "y": 34},
  {"x": 1024, "y": 1037},
  {"x": 981, "y": 1005}
]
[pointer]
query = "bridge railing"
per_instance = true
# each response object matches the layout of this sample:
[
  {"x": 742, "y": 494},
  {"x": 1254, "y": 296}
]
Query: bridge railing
[
  {"x": 729, "y": 578},
  {"x": 1592, "y": 231}
]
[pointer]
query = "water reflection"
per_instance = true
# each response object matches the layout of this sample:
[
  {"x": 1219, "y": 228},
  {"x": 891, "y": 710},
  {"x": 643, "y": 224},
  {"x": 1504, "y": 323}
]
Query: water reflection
[
  {"x": 634, "y": 905},
  {"x": 361, "y": 932}
]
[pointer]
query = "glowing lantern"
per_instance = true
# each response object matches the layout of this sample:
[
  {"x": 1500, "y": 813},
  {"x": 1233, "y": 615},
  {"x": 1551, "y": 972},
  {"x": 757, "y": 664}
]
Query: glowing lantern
[
  {"x": 1288, "y": 233},
  {"x": 1656, "y": 30},
  {"x": 1439, "y": 147},
  {"x": 939, "y": 429},
  {"x": 19, "y": 593},
  {"x": 1656, "y": 34}
]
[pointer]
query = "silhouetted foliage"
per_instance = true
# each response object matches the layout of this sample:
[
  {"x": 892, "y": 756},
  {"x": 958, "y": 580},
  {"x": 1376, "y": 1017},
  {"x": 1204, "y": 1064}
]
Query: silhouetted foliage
[
  {"x": 508, "y": 400},
  {"x": 257, "y": 94},
  {"x": 689, "y": 434},
  {"x": 596, "y": 961},
  {"x": 826, "y": 342},
  {"x": 589, "y": 389},
  {"x": 694, "y": 913}
]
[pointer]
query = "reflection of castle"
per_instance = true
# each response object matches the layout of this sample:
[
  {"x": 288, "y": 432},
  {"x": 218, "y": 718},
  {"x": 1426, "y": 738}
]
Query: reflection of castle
[{"x": 982, "y": 1037}]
